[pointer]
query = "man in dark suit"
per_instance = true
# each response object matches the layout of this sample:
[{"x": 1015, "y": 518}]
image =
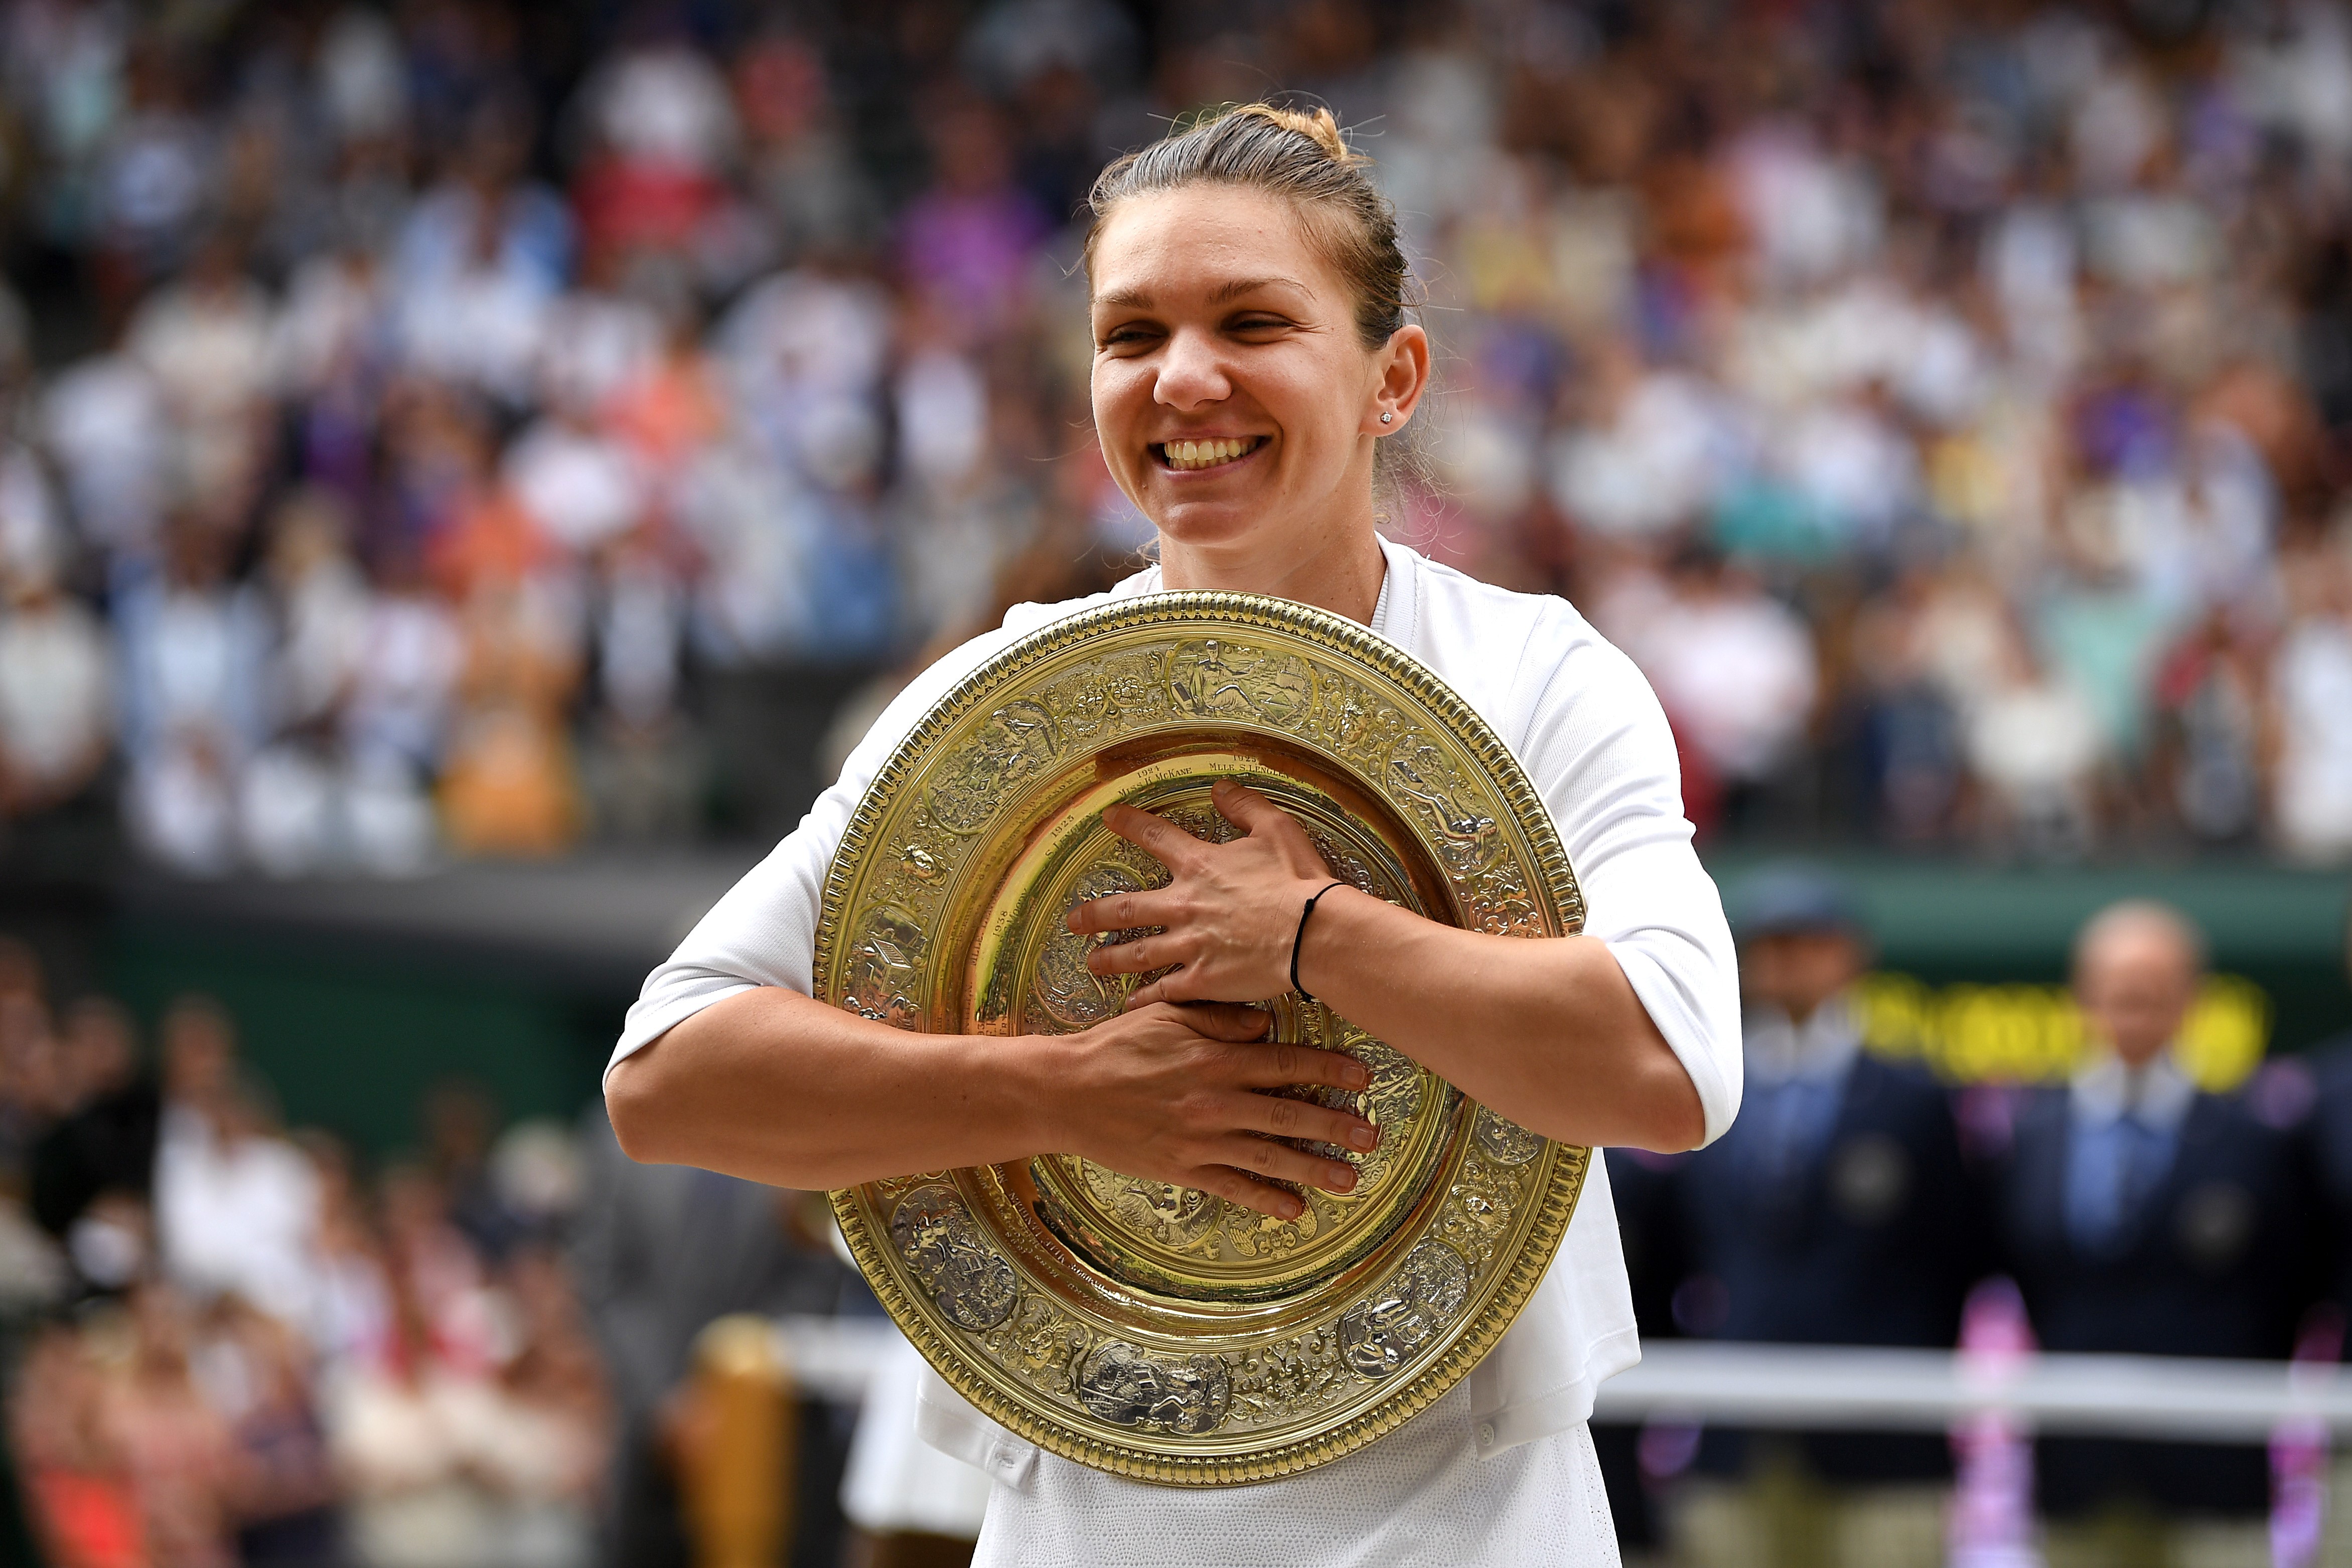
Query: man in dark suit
[
  {"x": 1836, "y": 1210},
  {"x": 661, "y": 1251},
  {"x": 2141, "y": 1215}
]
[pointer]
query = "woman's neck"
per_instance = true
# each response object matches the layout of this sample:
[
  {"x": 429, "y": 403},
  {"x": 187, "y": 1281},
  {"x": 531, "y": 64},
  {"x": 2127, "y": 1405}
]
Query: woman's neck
[{"x": 1342, "y": 573}]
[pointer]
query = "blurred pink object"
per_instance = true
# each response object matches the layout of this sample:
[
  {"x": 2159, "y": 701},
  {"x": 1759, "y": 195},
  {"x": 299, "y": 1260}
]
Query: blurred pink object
[
  {"x": 1992, "y": 1519},
  {"x": 2299, "y": 1454}
]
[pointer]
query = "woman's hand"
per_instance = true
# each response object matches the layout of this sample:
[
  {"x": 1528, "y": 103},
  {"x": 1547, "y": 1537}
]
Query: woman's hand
[
  {"x": 1230, "y": 911},
  {"x": 1174, "y": 1095}
]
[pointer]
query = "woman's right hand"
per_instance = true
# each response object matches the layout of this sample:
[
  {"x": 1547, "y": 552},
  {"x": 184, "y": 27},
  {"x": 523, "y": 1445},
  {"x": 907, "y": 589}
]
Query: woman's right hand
[{"x": 1174, "y": 1092}]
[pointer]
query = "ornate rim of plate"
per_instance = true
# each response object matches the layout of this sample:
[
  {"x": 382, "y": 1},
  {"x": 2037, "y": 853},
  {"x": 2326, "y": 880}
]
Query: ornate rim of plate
[{"x": 1144, "y": 1329}]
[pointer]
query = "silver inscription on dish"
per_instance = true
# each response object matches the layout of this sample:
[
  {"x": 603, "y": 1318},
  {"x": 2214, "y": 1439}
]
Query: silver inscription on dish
[
  {"x": 1126, "y": 1387},
  {"x": 1382, "y": 1331},
  {"x": 972, "y": 1284},
  {"x": 1506, "y": 1143}
]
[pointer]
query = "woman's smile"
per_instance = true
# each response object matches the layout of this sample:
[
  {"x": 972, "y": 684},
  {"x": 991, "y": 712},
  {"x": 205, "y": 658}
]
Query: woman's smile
[{"x": 1206, "y": 455}]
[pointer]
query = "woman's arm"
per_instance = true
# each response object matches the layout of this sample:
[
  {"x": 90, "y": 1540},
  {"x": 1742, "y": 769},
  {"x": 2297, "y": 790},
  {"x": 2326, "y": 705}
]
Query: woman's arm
[
  {"x": 1548, "y": 1032},
  {"x": 771, "y": 1085},
  {"x": 1551, "y": 1034}
]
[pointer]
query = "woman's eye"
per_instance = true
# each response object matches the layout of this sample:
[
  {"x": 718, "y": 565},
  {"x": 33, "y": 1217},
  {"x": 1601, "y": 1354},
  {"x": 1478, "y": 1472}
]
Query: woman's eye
[
  {"x": 1259, "y": 324},
  {"x": 1123, "y": 337}
]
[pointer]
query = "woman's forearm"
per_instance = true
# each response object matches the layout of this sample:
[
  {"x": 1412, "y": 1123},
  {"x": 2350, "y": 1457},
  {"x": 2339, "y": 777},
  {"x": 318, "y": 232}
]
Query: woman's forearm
[
  {"x": 778, "y": 1088},
  {"x": 772, "y": 1086},
  {"x": 1550, "y": 1033}
]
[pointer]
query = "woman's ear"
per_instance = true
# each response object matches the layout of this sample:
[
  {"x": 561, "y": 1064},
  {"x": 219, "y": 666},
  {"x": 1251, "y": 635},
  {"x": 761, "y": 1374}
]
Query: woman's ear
[{"x": 1403, "y": 377}]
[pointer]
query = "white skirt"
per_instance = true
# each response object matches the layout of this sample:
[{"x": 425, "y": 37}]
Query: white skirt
[{"x": 1419, "y": 1496}]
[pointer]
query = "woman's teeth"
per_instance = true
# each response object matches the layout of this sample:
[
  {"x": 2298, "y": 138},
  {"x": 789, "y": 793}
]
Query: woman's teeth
[{"x": 1189, "y": 455}]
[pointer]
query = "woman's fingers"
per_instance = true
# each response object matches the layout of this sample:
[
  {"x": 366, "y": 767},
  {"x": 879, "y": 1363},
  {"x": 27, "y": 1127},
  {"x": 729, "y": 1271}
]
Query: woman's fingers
[
  {"x": 1261, "y": 818},
  {"x": 1245, "y": 809},
  {"x": 1235, "y": 1186},
  {"x": 1228, "y": 1021},
  {"x": 1140, "y": 957},
  {"x": 1157, "y": 994},
  {"x": 1280, "y": 1065},
  {"x": 1279, "y": 1117},
  {"x": 1120, "y": 912},
  {"x": 1166, "y": 842},
  {"x": 1268, "y": 1160}
]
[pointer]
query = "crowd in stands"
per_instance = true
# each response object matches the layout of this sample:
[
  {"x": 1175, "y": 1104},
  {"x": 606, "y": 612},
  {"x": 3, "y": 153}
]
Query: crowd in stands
[
  {"x": 408, "y": 413},
  {"x": 228, "y": 1344}
]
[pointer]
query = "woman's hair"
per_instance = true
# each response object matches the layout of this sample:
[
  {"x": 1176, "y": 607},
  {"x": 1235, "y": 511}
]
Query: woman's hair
[{"x": 1300, "y": 157}]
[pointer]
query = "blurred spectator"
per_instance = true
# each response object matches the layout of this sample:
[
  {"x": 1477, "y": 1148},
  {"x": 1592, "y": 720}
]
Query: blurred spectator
[
  {"x": 93, "y": 1170},
  {"x": 448, "y": 1463},
  {"x": 2142, "y": 1214},
  {"x": 204, "y": 340},
  {"x": 236, "y": 1206},
  {"x": 459, "y": 1122},
  {"x": 2312, "y": 678},
  {"x": 255, "y": 1370},
  {"x": 2322, "y": 1079},
  {"x": 56, "y": 697},
  {"x": 1836, "y": 1210},
  {"x": 662, "y": 1251},
  {"x": 193, "y": 683},
  {"x": 1733, "y": 668},
  {"x": 178, "y": 1449},
  {"x": 77, "y": 1482}
]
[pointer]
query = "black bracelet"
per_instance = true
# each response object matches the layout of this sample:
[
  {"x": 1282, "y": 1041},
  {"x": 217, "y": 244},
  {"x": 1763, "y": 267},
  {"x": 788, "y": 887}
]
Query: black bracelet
[{"x": 1300, "y": 936}]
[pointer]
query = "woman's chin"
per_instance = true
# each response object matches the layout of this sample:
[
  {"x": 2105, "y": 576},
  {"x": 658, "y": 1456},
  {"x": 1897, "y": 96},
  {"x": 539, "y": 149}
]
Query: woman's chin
[{"x": 1212, "y": 524}]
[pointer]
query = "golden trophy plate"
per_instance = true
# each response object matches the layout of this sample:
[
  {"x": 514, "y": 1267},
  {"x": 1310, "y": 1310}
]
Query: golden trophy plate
[{"x": 1149, "y": 1330}]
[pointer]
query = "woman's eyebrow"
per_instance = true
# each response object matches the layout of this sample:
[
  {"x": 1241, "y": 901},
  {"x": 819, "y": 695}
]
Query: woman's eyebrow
[{"x": 1228, "y": 292}]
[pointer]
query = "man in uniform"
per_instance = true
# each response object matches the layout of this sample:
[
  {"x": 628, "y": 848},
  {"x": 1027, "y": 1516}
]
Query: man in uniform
[
  {"x": 1836, "y": 1211},
  {"x": 2144, "y": 1216}
]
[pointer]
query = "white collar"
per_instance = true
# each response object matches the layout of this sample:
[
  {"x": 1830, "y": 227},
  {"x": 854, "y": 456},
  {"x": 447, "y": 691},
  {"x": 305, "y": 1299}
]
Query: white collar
[
  {"x": 2158, "y": 1096},
  {"x": 1780, "y": 1052},
  {"x": 1392, "y": 614}
]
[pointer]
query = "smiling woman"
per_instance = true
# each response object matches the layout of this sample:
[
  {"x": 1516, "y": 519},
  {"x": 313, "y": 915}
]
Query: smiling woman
[{"x": 1251, "y": 358}]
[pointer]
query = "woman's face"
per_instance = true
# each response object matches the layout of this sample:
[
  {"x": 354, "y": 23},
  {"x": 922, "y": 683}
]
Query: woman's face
[{"x": 1234, "y": 401}]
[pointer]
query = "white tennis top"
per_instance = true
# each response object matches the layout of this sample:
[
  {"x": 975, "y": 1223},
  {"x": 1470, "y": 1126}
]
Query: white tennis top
[{"x": 1591, "y": 736}]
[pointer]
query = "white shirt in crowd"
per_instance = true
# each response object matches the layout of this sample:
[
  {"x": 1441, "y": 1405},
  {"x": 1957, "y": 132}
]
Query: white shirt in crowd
[
  {"x": 236, "y": 1213},
  {"x": 1578, "y": 717}
]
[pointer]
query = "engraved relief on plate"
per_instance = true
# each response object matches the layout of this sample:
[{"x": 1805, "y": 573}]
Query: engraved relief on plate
[
  {"x": 1012, "y": 747},
  {"x": 1127, "y": 1387},
  {"x": 1064, "y": 989},
  {"x": 1409, "y": 1310},
  {"x": 1290, "y": 1378},
  {"x": 971, "y": 1283},
  {"x": 1217, "y": 677},
  {"x": 1506, "y": 1143},
  {"x": 884, "y": 964},
  {"x": 1098, "y": 700},
  {"x": 1175, "y": 1217},
  {"x": 1423, "y": 777}
]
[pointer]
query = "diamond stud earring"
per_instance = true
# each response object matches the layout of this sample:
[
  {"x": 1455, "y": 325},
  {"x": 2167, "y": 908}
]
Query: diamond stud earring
[{"x": 1388, "y": 418}]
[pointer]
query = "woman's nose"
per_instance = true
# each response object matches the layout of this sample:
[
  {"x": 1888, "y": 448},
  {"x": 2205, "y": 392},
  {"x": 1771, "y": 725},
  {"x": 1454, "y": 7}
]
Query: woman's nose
[{"x": 1190, "y": 373}]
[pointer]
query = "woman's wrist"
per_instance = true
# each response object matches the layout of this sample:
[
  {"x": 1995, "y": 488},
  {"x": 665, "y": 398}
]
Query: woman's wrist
[
  {"x": 1023, "y": 1078},
  {"x": 1327, "y": 937}
]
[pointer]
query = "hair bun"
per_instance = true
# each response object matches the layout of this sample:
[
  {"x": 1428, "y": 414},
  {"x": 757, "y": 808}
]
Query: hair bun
[{"x": 1317, "y": 126}]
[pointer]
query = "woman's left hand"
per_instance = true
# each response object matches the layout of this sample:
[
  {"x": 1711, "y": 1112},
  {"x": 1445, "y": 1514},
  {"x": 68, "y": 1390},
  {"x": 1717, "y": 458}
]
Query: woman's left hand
[{"x": 1230, "y": 911}]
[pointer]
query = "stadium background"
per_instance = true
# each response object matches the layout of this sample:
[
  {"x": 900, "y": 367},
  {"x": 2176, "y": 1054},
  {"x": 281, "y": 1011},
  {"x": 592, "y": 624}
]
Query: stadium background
[{"x": 466, "y": 468}]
